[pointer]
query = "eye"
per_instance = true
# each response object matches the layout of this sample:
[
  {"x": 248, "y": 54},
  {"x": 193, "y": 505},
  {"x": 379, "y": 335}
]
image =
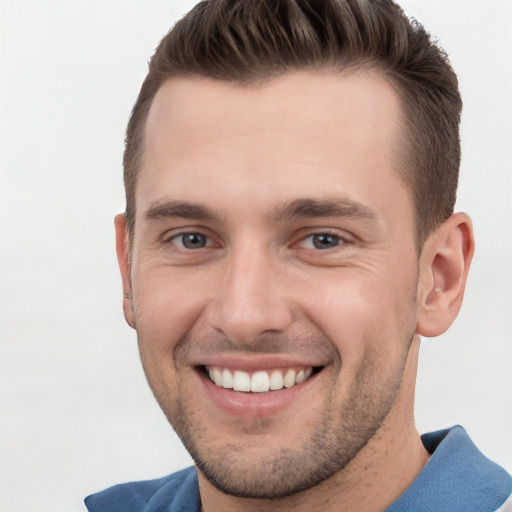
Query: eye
[
  {"x": 191, "y": 240},
  {"x": 322, "y": 241}
]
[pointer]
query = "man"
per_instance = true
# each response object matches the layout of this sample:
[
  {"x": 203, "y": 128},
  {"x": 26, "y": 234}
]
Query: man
[{"x": 291, "y": 169}]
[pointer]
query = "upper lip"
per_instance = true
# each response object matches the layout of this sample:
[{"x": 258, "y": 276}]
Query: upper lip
[{"x": 255, "y": 362}]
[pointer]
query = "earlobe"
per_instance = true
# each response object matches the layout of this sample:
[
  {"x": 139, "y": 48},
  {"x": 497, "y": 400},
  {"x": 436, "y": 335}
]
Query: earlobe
[
  {"x": 444, "y": 266},
  {"x": 123, "y": 259}
]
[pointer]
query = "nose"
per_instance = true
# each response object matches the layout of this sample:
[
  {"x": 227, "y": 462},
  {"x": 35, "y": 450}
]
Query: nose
[{"x": 251, "y": 300}]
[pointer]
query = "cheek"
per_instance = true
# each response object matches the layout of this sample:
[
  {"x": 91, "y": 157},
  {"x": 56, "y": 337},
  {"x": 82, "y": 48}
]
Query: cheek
[
  {"x": 360, "y": 311},
  {"x": 167, "y": 305}
]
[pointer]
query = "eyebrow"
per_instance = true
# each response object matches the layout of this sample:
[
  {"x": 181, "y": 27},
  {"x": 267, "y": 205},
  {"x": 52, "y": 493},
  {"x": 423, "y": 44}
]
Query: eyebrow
[
  {"x": 330, "y": 207},
  {"x": 178, "y": 209}
]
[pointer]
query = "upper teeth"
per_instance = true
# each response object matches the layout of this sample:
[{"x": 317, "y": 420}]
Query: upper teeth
[{"x": 260, "y": 381}]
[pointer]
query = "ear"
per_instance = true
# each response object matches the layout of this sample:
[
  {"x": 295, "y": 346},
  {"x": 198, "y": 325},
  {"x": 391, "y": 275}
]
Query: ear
[
  {"x": 444, "y": 265},
  {"x": 123, "y": 258}
]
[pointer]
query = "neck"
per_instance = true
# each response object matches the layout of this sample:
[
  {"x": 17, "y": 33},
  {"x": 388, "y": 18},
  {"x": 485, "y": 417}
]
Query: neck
[{"x": 372, "y": 481}]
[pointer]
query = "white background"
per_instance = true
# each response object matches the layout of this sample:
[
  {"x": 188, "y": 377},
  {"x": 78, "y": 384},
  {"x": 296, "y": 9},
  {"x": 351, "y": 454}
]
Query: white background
[{"x": 75, "y": 412}]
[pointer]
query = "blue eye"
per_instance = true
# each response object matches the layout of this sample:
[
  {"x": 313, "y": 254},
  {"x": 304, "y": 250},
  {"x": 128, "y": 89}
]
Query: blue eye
[
  {"x": 322, "y": 241},
  {"x": 191, "y": 240}
]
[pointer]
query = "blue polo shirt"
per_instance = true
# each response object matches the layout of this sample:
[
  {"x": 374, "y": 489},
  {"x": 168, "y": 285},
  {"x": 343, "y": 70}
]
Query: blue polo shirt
[{"x": 457, "y": 478}]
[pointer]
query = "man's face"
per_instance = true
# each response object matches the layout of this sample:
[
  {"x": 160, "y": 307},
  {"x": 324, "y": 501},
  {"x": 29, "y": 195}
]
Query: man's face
[{"x": 274, "y": 250}]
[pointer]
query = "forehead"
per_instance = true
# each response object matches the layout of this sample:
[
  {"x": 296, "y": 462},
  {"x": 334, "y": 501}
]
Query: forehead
[{"x": 336, "y": 132}]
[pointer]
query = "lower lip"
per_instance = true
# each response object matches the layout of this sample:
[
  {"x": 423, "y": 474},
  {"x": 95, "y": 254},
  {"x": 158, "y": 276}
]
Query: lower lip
[{"x": 250, "y": 405}]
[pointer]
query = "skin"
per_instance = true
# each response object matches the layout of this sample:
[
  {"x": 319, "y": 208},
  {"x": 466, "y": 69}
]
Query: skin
[{"x": 256, "y": 171}]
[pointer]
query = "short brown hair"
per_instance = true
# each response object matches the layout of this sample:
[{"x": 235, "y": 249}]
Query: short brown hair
[{"x": 247, "y": 41}]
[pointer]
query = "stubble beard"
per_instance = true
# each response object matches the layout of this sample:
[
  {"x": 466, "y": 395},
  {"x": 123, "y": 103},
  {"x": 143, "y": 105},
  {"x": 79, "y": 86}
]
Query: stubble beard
[{"x": 336, "y": 439}]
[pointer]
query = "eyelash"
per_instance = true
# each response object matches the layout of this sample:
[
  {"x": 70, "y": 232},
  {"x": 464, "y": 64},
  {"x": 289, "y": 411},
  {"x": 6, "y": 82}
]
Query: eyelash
[
  {"x": 183, "y": 234},
  {"x": 338, "y": 239}
]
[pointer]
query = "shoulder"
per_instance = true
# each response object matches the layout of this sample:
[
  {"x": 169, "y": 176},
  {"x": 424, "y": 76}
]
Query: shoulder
[
  {"x": 457, "y": 478},
  {"x": 178, "y": 492}
]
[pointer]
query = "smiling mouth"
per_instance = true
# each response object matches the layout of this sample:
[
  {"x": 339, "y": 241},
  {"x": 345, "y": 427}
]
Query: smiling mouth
[{"x": 260, "y": 381}]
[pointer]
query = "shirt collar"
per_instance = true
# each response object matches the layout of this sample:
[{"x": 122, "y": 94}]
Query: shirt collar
[{"x": 457, "y": 478}]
